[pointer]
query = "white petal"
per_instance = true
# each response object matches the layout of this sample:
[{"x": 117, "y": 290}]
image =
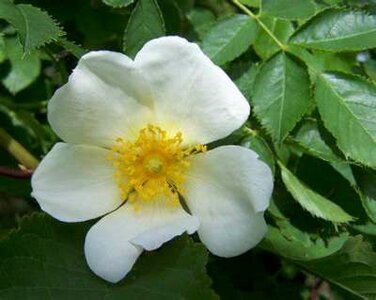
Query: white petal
[
  {"x": 228, "y": 189},
  {"x": 108, "y": 252},
  {"x": 75, "y": 183},
  {"x": 113, "y": 245},
  {"x": 191, "y": 94},
  {"x": 160, "y": 224},
  {"x": 104, "y": 99}
]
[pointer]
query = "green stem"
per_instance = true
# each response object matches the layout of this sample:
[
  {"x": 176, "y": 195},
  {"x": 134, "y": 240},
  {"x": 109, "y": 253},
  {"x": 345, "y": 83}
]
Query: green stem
[
  {"x": 250, "y": 131},
  {"x": 257, "y": 19},
  {"x": 17, "y": 150}
]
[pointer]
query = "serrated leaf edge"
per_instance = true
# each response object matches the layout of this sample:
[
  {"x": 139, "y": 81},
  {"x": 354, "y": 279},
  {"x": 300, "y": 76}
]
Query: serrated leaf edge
[
  {"x": 125, "y": 47},
  {"x": 350, "y": 218},
  {"x": 335, "y": 8},
  {"x": 265, "y": 123},
  {"x": 240, "y": 28},
  {"x": 60, "y": 28},
  {"x": 346, "y": 153},
  {"x": 263, "y": 13}
]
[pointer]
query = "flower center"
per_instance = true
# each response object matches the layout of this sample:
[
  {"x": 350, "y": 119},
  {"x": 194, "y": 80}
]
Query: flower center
[{"x": 153, "y": 165}]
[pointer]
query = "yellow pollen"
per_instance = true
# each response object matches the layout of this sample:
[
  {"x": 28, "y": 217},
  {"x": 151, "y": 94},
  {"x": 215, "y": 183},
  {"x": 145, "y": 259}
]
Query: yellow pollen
[{"x": 154, "y": 165}]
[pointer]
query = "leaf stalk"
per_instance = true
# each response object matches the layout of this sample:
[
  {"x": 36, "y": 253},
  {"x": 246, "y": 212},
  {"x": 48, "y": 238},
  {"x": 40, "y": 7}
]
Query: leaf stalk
[
  {"x": 261, "y": 23},
  {"x": 23, "y": 156}
]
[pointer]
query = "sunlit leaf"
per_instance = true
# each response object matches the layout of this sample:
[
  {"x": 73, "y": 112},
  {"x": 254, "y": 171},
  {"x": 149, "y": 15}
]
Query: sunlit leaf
[
  {"x": 288, "y": 9},
  {"x": 338, "y": 30},
  {"x": 281, "y": 95},
  {"x": 201, "y": 20},
  {"x": 314, "y": 203},
  {"x": 229, "y": 39},
  {"x": 251, "y": 3},
  {"x": 295, "y": 244},
  {"x": 309, "y": 140},
  {"x": 24, "y": 68},
  {"x": 264, "y": 45},
  {"x": 347, "y": 105}
]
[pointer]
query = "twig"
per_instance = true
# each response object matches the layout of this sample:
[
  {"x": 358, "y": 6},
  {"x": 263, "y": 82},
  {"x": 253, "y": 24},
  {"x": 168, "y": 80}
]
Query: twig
[
  {"x": 15, "y": 173},
  {"x": 17, "y": 150}
]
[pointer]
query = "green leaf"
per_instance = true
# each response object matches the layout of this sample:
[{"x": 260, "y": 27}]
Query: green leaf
[
  {"x": 45, "y": 260},
  {"x": 290, "y": 241},
  {"x": 345, "y": 170},
  {"x": 173, "y": 17},
  {"x": 245, "y": 75},
  {"x": 230, "y": 38},
  {"x": 35, "y": 27},
  {"x": 369, "y": 205},
  {"x": 368, "y": 228},
  {"x": 260, "y": 146},
  {"x": 281, "y": 95},
  {"x": 309, "y": 140},
  {"x": 264, "y": 45},
  {"x": 335, "y": 62},
  {"x": 71, "y": 47},
  {"x": 367, "y": 192},
  {"x": 314, "y": 203},
  {"x": 294, "y": 244},
  {"x": 145, "y": 24},
  {"x": 3, "y": 54},
  {"x": 288, "y": 9},
  {"x": 370, "y": 68},
  {"x": 24, "y": 68},
  {"x": 338, "y": 30},
  {"x": 348, "y": 109},
  {"x": 251, "y": 3},
  {"x": 353, "y": 268},
  {"x": 201, "y": 20},
  {"x": 118, "y": 3}
]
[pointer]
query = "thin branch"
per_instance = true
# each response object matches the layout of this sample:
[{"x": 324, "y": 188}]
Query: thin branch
[
  {"x": 257, "y": 19},
  {"x": 15, "y": 173},
  {"x": 23, "y": 156}
]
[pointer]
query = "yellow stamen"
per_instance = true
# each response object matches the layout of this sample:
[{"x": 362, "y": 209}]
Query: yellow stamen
[{"x": 153, "y": 165}]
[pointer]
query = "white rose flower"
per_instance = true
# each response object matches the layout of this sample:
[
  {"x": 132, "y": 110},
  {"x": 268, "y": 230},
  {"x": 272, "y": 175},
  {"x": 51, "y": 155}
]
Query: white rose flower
[{"x": 134, "y": 133}]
